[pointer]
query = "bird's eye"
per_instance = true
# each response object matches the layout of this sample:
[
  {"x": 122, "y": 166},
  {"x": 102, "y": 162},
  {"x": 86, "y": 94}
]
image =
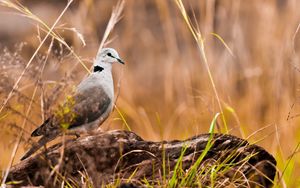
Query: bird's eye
[{"x": 109, "y": 54}]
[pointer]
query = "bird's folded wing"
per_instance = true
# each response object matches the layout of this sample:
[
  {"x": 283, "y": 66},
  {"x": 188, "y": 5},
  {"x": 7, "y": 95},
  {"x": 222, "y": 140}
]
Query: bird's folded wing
[
  {"x": 81, "y": 108},
  {"x": 91, "y": 105}
]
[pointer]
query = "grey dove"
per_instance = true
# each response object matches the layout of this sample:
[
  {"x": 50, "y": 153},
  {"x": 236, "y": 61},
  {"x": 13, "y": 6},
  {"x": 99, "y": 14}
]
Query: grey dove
[{"x": 88, "y": 108}]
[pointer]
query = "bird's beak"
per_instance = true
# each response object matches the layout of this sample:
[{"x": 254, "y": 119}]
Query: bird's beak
[{"x": 120, "y": 61}]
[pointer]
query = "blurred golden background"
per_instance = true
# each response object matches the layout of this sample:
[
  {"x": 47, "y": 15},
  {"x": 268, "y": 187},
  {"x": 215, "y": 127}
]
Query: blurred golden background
[{"x": 165, "y": 91}]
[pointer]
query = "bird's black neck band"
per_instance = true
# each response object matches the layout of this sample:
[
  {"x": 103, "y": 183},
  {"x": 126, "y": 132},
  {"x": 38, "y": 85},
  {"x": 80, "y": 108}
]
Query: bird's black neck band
[{"x": 97, "y": 68}]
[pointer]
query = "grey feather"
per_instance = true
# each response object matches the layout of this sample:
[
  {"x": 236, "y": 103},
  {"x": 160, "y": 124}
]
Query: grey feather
[{"x": 90, "y": 108}]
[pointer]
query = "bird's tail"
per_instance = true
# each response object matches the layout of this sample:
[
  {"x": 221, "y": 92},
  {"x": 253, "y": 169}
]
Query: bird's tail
[
  {"x": 45, "y": 139},
  {"x": 41, "y": 130}
]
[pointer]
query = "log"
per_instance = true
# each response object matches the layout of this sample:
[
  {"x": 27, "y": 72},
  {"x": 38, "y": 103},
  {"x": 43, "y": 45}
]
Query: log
[{"x": 124, "y": 157}]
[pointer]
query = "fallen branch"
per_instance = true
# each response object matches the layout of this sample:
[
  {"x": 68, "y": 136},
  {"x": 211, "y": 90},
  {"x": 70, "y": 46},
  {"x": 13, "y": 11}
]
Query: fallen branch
[{"x": 120, "y": 155}]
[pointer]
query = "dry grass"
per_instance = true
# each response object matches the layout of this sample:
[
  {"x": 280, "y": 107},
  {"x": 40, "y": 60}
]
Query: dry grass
[{"x": 251, "y": 49}]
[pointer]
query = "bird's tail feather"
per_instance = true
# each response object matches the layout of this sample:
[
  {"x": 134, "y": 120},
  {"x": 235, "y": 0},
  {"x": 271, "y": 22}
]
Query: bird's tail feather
[
  {"x": 40, "y": 130},
  {"x": 45, "y": 139}
]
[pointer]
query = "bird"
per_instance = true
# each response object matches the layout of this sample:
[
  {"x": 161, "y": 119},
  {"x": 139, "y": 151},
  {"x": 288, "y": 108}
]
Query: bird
[{"x": 89, "y": 106}]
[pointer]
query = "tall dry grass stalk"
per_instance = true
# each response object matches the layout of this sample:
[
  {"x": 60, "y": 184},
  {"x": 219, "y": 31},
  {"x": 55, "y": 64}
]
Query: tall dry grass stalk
[
  {"x": 114, "y": 18},
  {"x": 200, "y": 42}
]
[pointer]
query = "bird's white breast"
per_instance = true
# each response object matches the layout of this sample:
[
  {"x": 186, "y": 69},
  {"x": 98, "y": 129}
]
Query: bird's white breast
[{"x": 101, "y": 79}]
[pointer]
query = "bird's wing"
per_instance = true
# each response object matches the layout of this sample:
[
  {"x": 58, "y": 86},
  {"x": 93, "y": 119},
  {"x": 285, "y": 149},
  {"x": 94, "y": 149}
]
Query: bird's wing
[
  {"x": 84, "y": 107},
  {"x": 92, "y": 104}
]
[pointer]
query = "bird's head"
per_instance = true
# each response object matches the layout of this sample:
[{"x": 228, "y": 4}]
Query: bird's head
[
  {"x": 109, "y": 55},
  {"x": 105, "y": 58}
]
